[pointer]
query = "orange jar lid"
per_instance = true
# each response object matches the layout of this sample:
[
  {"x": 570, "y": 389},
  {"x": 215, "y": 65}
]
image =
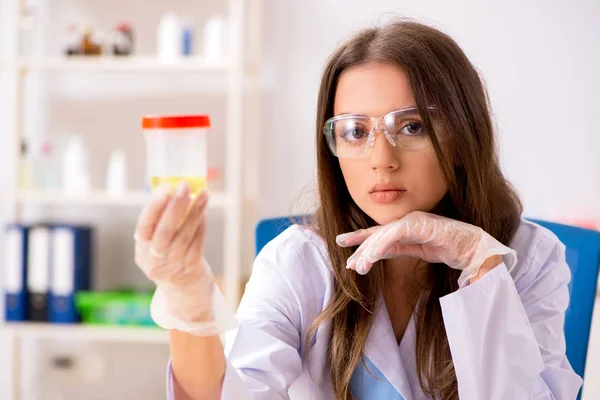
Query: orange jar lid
[{"x": 175, "y": 121}]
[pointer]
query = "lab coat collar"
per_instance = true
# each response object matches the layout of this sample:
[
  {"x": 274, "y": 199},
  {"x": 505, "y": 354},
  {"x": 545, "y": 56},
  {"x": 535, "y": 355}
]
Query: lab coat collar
[{"x": 383, "y": 350}]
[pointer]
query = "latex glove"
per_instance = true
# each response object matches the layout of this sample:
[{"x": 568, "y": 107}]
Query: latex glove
[
  {"x": 429, "y": 237},
  {"x": 169, "y": 242}
]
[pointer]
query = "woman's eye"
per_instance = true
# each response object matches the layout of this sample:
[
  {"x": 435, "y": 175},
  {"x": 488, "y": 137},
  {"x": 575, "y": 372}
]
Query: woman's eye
[
  {"x": 354, "y": 134},
  {"x": 412, "y": 129}
]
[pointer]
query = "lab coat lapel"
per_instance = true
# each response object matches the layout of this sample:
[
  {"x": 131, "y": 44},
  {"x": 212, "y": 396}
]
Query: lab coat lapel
[{"x": 382, "y": 349}]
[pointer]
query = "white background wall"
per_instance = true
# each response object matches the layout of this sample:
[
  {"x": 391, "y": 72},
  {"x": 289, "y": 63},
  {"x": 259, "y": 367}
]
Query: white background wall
[{"x": 540, "y": 61}]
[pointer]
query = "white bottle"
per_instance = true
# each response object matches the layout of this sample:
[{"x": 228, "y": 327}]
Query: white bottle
[
  {"x": 30, "y": 32},
  {"x": 169, "y": 45},
  {"x": 116, "y": 174},
  {"x": 75, "y": 168},
  {"x": 27, "y": 34},
  {"x": 44, "y": 167},
  {"x": 215, "y": 39}
]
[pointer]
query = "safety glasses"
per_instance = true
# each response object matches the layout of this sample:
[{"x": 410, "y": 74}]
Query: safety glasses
[{"x": 352, "y": 135}]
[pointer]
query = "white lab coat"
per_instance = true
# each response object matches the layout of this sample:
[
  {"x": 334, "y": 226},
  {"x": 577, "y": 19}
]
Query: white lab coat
[{"x": 505, "y": 331}]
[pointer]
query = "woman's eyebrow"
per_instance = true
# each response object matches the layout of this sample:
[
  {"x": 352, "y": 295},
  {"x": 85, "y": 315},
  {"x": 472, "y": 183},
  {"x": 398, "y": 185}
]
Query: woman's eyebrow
[
  {"x": 412, "y": 113},
  {"x": 348, "y": 113},
  {"x": 410, "y": 110}
]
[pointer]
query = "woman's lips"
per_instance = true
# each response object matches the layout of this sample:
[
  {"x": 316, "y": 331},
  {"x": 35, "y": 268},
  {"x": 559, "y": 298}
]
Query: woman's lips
[{"x": 386, "y": 196}]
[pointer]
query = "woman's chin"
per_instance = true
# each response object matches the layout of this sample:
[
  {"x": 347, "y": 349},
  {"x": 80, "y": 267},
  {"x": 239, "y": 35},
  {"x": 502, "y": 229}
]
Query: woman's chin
[{"x": 385, "y": 216}]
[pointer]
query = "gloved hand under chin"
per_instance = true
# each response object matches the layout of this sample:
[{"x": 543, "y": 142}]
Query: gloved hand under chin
[{"x": 430, "y": 237}]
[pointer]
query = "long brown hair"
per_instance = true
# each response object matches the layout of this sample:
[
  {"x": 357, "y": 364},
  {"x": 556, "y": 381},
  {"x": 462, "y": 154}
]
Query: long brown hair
[{"x": 440, "y": 74}]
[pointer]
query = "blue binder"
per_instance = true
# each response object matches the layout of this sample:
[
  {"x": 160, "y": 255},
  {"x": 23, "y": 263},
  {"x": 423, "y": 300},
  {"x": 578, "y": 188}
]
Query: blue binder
[
  {"x": 15, "y": 289},
  {"x": 71, "y": 270},
  {"x": 38, "y": 271}
]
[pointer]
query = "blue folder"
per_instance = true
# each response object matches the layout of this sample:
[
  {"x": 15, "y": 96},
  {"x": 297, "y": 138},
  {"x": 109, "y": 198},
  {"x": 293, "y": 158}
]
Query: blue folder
[
  {"x": 15, "y": 289},
  {"x": 71, "y": 270}
]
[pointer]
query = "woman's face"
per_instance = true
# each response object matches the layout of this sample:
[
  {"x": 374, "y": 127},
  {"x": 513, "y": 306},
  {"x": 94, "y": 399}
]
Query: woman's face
[{"x": 386, "y": 182}]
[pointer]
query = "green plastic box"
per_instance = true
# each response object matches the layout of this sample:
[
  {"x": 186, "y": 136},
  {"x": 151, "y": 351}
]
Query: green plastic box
[{"x": 124, "y": 308}]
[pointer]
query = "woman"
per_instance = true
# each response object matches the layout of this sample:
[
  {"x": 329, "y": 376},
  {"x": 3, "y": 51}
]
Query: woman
[{"x": 417, "y": 277}]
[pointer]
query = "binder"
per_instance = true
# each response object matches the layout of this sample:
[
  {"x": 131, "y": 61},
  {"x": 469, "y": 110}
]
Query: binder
[
  {"x": 71, "y": 270},
  {"x": 15, "y": 269},
  {"x": 38, "y": 272}
]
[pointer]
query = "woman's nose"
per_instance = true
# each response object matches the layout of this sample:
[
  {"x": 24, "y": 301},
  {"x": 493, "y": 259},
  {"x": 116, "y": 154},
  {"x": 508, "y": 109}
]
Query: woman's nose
[{"x": 382, "y": 154}]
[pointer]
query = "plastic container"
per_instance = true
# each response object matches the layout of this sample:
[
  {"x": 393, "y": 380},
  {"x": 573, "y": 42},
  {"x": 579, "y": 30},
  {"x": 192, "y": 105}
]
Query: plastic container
[
  {"x": 114, "y": 308},
  {"x": 169, "y": 46},
  {"x": 187, "y": 38},
  {"x": 116, "y": 173},
  {"x": 215, "y": 39},
  {"x": 75, "y": 167},
  {"x": 176, "y": 150},
  {"x": 44, "y": 168}
]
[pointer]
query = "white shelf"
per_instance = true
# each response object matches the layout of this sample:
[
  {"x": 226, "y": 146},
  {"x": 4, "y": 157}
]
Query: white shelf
[
  {"x": 217, "y": 200},
  {"x": 235, "y": 77},
  {"x": 98, "y": 333},
  {"x": 118, "y": 64}
]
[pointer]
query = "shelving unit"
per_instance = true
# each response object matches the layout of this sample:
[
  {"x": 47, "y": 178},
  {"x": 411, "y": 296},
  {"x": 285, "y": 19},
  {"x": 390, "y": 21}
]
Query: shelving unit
[
  {"x": 117, "y": 64},
  {"x": 243, "y": 23},
  {"x": 217, "y": 201},
  {"x": 134, "y": 64},
  {"x": 80, "y": 332}
]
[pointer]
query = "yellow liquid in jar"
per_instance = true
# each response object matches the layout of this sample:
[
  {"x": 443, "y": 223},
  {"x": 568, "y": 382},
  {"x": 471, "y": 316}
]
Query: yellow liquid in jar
[{"x": 196, "y": 183}]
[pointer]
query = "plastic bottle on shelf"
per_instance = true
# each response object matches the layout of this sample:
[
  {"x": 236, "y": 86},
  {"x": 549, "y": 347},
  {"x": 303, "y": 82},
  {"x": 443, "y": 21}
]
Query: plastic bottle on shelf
[
  {"x": 215, "y": 39},
  {"x": 26, "y": 34},
  {"x": 72, "y": 40},
  {"x": 30, "y": 38},
  {"x": 24, "y": 174},
  {"x": 169, "y": 44},
  {"x": 122, "y": 40},
  {"x": 75, "y": 167},
  {"x": 93, "y": 42},
  {"x": 116, "y": 174},
  {"x": 44, "y": 168},
  {"x": 187, "y": 38}
]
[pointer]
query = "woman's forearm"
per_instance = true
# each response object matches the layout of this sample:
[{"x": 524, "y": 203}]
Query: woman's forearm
[{"x": 198, "y": 365}]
